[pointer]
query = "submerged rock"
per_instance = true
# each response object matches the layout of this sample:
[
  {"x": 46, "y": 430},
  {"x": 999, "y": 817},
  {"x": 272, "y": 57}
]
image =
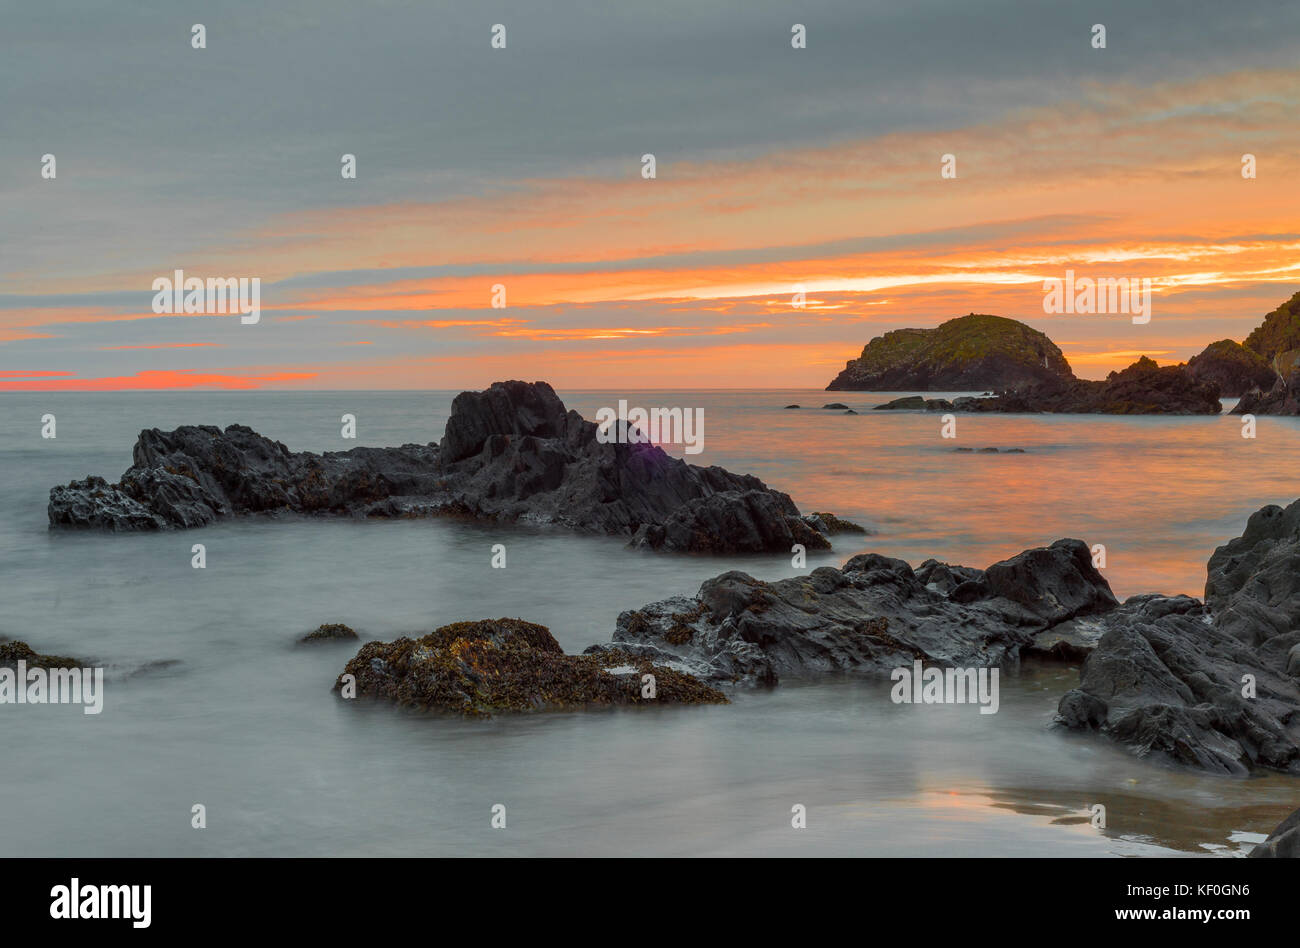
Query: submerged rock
[
  {"x": 13, "y": 651},
  {"x": 512, "y": 453},
  {"x": 490, "y": 667},
  {"x": 830, "y": 525},
  {"x": 1206, "y": 685},
  {"x": 969, "y": 353},
  {"x": 872, "y": 616}
]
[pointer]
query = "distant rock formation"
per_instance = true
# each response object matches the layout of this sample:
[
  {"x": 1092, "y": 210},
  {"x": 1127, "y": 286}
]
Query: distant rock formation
[
  {"x": 1283, "y": 397},
  {"x": 1143, "y": 388},
  {"x": 969, "y": 353},
  {"x": 511, "y": 453},
  {"x": 1233, "y": 367},
  {"x": 490, "y": 667},
  {"x": 1279, "y": 331}
]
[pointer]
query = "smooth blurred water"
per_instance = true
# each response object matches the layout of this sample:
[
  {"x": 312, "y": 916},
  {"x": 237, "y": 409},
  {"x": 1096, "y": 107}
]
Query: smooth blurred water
[{"x": 244, "y": 722}]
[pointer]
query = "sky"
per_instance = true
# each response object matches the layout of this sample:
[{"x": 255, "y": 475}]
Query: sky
[{"x": 776, "y": 169}]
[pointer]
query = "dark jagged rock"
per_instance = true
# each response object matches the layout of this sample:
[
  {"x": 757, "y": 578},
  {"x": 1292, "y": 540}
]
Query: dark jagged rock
[
  {"x": 1283, "y": 398},
  {"x": 491, "y": 667},
  {"x": 1283, "y": 842},
  {"x": 791, "y": 406},
  {"x": 969, "y": 353},
  {"x": 1253, "y": 582},
  {"x": 836, "y": 405},
  {"x": 1168, "y": 675},
  {"x": 872, "y": 616},
  {"x": 512, "y": 453},
  {"x": 1143, "y": 388},
  {"x": 1231, "y": 366},
  {"x": 330, "y": 632}
]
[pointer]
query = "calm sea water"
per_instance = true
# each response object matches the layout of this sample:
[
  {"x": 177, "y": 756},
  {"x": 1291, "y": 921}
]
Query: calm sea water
[{"x": 244, "y": 722}]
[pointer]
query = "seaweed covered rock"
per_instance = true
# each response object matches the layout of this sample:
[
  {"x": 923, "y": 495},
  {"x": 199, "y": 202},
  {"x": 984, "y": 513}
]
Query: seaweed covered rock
[
  {"x": 511, "y": 453},
  {"x": 871, "y": 616},
  {"x": 329, "y": 632},
  {"x": 969, "y": 353},
  {"x": 490, "y": 667},
  {"x": 14, "y": 651}
]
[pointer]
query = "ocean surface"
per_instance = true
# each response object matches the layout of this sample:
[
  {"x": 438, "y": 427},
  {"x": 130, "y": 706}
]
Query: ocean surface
[{"x": 210, "y": 701}]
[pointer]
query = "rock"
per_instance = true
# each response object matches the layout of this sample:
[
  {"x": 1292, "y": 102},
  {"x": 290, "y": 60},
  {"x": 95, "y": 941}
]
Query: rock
[
  {"x": 872, "y": 616},
  {"x": 1253, "y": 582},
  {"x": 968, "y": 353},
  {"x": 850, "y": 412},
  {"x": 329, "y": 632},
  {"x": 791, "y": 406},
  {"x": 1144, "y": 388},
  {"x": 13, "y": 651},
  {"x": 755, "y": 521},
  {"x": 489, "y": 667},
  {"x": 1283, "y": 842},
  {"x": 1279, "y": 331},
  {"x": 511, "y": 453},
  {"x": 915, "y": 403},
  {"x": 1171, "y": 671},
  {"x": 94, "y": 503},
  {"x": 836, "y": 405},
  {"x": 1282, "y": 399},
  {"x": 1231, "y": 366},
  {"x": 829, "y": 525}
]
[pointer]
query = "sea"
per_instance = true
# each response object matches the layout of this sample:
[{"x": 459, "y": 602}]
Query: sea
[{"x": 212, "y": 707}]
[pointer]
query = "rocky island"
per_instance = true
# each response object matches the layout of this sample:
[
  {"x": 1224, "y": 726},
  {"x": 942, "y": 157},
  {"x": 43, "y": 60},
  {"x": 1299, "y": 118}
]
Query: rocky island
[
  {"x": 969, "y": 353},
  {"x": 511, "y": 454}
]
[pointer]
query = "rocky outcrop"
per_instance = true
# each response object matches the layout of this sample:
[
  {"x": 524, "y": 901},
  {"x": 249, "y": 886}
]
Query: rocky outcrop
[
  {"x": 1209, "y": 685},
  {"x": 1232, "y": 367},
  {"x": 489, "y": 667},
  {"x": 1283, "y": 842},
  {"x": 512, "y": 453},
  {"x": 871, "y": 616},
  {"x": 1143, "y": 388},
  {"x": 1283, "y": 398},
  {"x": 969, "y": 353},
  {"x": 1279, "y": 331}
]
